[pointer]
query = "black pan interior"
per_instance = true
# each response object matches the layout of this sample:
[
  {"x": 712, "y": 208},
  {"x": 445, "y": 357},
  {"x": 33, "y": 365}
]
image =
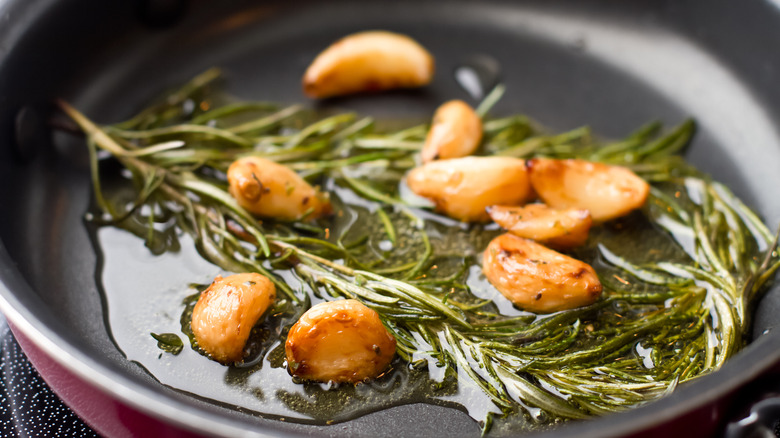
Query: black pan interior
[{"x": 610, "y": 64}]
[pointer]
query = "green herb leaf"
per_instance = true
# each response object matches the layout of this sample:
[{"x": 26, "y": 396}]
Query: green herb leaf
[{"x": 168, "y": 342}]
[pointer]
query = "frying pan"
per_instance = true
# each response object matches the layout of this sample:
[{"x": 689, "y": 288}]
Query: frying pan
[{"x": 611, "y": 64}]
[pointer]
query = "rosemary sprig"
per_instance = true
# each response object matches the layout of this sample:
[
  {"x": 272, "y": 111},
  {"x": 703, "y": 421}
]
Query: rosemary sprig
[{"x": 660, "y": 322}]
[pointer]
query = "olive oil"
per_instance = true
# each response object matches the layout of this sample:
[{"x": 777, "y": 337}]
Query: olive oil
[{"x": 164, "y": 285}]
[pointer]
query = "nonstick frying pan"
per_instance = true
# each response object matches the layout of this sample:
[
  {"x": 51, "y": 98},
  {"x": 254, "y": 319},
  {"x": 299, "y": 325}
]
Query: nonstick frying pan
[{"x": 611, "y": 64}]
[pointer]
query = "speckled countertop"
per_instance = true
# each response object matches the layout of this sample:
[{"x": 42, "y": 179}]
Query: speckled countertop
[{"x": 28, "y": 408}]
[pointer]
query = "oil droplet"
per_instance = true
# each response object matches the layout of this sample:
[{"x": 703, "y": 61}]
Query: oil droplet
[
  {"x": 478, "y": 75},
  {"x": 188, "y": 106}
]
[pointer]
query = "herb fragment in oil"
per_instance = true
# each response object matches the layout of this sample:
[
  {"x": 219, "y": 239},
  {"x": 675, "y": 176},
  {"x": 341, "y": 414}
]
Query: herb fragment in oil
[{"x": 168, "y": 342}]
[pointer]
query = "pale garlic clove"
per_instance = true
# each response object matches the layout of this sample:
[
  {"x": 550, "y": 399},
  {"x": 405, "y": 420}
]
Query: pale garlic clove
[
  {"x": 463, "y": 188},
  {"x": 536, "y": 278},
  {"x": 272, "y": 190},
  {"x": 368, "y": 61},
  {"x": 339, "y": 341},
  {"x": 455, "y": 132},
  {"x": 608, "y": 192},
  {"x": 225, "y": 313},
  {"x": 557, "y": 228}
]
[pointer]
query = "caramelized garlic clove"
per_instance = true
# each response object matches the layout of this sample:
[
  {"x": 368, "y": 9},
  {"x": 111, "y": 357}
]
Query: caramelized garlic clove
[
  {"x": 368, "y": 61},
  {"x": 225, "y": 313},
  {"x": 272, "y": 190},
  {"x": 455, "y": 132},
  {"x": 536, "y": 278},
  {"x": 558, "y": 228},
  {"x": 339, "y": 341},
  {"x": 608, "y": 192},
  {"x": 463, "y": 188}
]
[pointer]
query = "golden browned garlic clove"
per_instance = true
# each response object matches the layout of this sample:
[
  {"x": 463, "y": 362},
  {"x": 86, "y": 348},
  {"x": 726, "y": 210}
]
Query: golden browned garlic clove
[
  {"x": 558, "y": 228},
  {"x": 225, "y": 313},
  {"x": 455, "y": 132},
  {"x": 463, "y": 188},
  {"x": 368, "y": 61},
  {"x": 272, "y": 190},
  {"x": 339, "y": 341},
  {"x": 536, "y": 278},
  {"x": 608, "y": 192}
]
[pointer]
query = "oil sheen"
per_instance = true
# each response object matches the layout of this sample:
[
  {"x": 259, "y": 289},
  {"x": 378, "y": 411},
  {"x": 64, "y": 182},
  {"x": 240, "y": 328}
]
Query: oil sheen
[{"x": 152, "y": 288}]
